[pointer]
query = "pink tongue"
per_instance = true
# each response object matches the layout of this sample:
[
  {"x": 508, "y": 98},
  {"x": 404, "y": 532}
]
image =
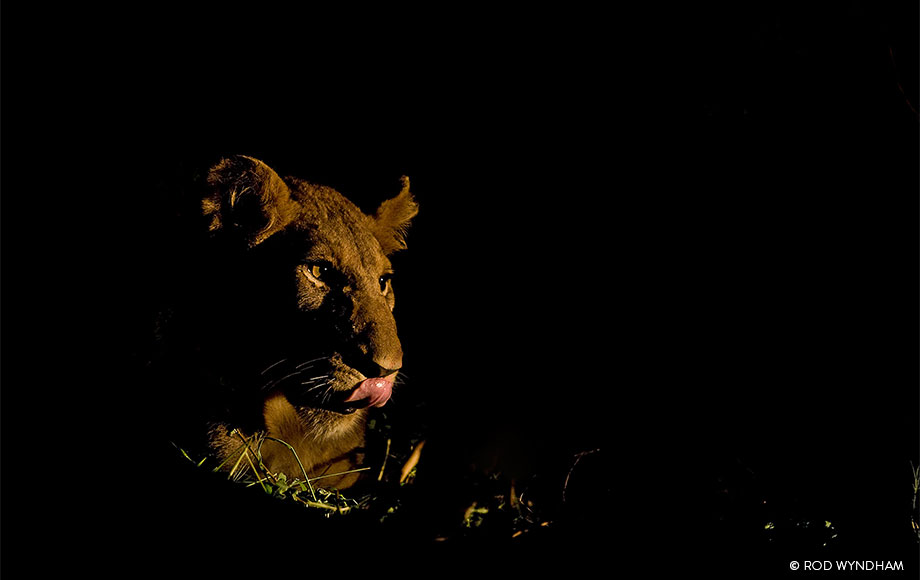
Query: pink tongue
[{"x": 371, "y": 393}]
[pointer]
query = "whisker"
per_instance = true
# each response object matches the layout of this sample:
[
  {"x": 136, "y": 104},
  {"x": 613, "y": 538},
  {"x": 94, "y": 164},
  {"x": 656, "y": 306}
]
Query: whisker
[
  {"x": 271, "y": 384},
  {"x": 287, "y": 376},
  {"x": 273, "y": 365},
  {"x": 305, "y": 363},
  {"x": 315, "y": 386},
  {"x": 314, "y": 379}
]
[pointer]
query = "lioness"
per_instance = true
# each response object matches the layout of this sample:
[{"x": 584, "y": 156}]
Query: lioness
[{"x": 294, "y": 305}]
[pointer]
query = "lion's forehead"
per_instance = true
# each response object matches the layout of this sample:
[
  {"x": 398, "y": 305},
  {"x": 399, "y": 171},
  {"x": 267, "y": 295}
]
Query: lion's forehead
[{"x": 341, "y": 234}]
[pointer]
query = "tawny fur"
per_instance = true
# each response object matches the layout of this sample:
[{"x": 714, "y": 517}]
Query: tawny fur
[{"x": 249, "y": 201}]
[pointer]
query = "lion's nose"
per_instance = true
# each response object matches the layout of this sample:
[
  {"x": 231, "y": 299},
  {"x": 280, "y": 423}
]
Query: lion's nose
[
  {"x": 385, "y": 372},
  {"x": 380, "y": 350},
  {"x": 379, "y": 359},
  {"x": 372, "y": 369}
]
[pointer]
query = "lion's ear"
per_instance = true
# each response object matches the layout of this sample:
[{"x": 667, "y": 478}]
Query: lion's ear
[
  {"x": 392, "y": 219},
  {"x": 247, "y": 197}
]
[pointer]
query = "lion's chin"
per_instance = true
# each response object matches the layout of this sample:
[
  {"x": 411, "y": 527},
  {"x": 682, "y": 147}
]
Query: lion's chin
[
  {"x": 326, "y": 424},
  {"x": 305, "y": 427}
]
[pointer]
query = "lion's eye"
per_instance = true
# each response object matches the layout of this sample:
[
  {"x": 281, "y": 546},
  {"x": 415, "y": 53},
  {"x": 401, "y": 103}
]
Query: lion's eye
[
  {"x": 318, "y": 270},
  {"x": 385, "y": 282}
]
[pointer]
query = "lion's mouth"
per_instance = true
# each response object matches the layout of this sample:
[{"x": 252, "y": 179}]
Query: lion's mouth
[
  {"x": 335, "y": 387},
  {"x": 374, "y": 392}
]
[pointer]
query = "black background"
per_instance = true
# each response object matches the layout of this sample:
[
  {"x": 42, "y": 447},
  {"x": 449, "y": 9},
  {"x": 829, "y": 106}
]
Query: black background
[{"x": 685, "y": 239}]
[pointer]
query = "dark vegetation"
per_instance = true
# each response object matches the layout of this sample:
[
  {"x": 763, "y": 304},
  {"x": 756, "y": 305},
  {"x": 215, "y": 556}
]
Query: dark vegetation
[{"x": 662, "y": 284}]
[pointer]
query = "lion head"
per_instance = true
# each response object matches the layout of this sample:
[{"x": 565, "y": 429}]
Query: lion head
[{"x": 300, "y": 302}]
